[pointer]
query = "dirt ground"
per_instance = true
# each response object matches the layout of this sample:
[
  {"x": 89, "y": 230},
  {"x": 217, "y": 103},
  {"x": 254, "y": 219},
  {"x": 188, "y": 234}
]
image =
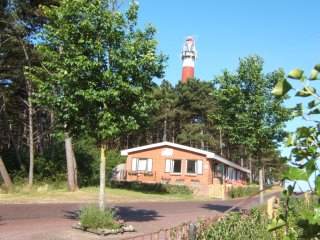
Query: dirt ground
[{"x": 54, "y": 221}]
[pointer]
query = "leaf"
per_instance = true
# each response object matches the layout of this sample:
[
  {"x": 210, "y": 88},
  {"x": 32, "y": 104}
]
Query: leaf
[
  {"x": 281, "y": 88},
  {"x": 297, "y": 110},
  {"x": 306, "y": 92},
  {"x": 290, "y": 140},
  {"x": 313, "y": 75},
  {"x": 317, "y": 67},
  {"x": 312, "y": 104},
  {"x": 294, "y": 173},
  {"x": 317, "y": 185},
  {"x": 315, "y": 111},
  {"x": 296, "y": 74},
  {"x": 276, "y": 224},
  {"x": 310, "y": 167}
]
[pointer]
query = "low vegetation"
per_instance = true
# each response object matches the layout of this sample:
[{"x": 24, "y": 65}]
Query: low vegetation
[
  {"x": 238, "y": 226},
  {"x": 58, "y": 192},
  {"x": 257, "y": 225},
  {"x": 91, "y": 217},
  {"x": 153, "y": 188},
  {"x": 237, "y": 192}
]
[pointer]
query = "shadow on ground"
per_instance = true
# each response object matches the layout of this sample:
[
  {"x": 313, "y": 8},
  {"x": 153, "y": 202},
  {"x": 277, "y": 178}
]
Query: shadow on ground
[
  {"x": 124, "y": 213},
  {"x": 219, "y": 208},
  {"x": 1, "y": 221},
  {"x": 137, "y": 215},
  {"x": 73, "y": 215}
]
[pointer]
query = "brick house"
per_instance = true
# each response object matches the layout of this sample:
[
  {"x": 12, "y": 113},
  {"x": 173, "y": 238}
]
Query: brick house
[{"x": 205, "y": 172}]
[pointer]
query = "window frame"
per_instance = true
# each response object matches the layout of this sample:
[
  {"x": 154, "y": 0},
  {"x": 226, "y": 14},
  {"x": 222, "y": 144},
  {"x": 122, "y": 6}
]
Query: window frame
[
  {"x": 147, "y": 169},
  {"x": 195, "y": 167}
]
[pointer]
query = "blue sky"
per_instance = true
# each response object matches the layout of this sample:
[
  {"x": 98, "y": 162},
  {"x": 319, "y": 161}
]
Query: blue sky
[{"x": 285, "y": 33}]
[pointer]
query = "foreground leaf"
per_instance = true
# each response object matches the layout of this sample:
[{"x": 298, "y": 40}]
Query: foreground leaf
[
  {"x": 313, "y": 75},
  {"x": 281, "y": 88},
  {"x": 294, "y": 173},
  {"x": 296, "y": 74},
  {"x": 306, "y": 92}
]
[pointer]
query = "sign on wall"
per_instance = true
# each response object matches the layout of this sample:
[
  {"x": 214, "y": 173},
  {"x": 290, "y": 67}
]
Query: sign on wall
[{"x": 167, "y": 152}]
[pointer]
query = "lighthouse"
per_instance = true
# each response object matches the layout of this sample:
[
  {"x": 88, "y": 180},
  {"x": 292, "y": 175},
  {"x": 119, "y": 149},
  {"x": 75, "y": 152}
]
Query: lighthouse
[{"x": 188, "y": 56}]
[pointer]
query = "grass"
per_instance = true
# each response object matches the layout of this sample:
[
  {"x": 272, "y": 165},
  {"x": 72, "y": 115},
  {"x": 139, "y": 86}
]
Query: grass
[
  {"x": 92, "y": 217},
  {"x": 49, "y": 194},
  {"x": 245, "y": 191}
]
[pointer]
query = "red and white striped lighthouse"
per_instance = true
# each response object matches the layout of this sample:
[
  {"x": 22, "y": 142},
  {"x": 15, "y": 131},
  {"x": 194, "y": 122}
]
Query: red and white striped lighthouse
[{"x": 188, "y": 56}]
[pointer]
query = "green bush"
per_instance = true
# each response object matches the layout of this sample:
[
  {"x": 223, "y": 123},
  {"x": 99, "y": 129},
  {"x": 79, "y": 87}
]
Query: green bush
[
  {"x": 298, "y": 225},
  {"x": 237, "y": 226},
  {"x": 92, "y": 217},
  {"x": 152, "y": 187},
  {"x": 236, "y": 192}
]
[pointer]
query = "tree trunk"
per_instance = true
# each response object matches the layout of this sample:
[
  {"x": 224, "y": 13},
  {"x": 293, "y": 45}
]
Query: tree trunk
[
  {"x": 75, "y": 170},
  {"x": 164, "y": 137},
  {"x": 202, "y": 141},
  {"x": 30, "y": 113},
  {"x": 102, "y": 189},
  {"x": 31, "y": 140},
  {"x": 250, "y": 168},
  {"x": 4, "y": 174},
  {"x": 71, "y": 164},
  {"x": 220, "y": 141}
]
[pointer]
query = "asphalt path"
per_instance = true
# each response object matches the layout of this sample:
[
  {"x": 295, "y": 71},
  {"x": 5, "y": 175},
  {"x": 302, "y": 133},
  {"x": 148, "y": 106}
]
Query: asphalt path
[{"x": 54, "y": 221}]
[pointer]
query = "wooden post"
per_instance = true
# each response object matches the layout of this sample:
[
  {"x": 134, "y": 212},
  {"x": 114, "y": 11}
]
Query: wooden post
[
  {"x": 270, "y": 208},
  {"x": 223, "y": 183},
  {"x": 261, "y": 185},
  {"x": 102, "y": 177}
]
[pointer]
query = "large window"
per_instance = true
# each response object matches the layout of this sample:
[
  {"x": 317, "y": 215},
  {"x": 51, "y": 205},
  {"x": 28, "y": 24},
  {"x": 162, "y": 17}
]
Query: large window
[
  {"x": 194, "y": 166},
  {"x": 191, "y": 166},
  {"x": 142, "y": 164},
  {"x": 173, "y": 166}
]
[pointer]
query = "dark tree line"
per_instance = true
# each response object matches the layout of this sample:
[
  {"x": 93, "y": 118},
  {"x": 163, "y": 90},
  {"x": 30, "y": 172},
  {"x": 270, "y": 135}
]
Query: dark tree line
[{"x": 234, "y": 114}]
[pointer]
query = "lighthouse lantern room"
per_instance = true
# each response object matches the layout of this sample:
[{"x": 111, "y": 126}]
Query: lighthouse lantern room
[{"x": 188, "y": 56}]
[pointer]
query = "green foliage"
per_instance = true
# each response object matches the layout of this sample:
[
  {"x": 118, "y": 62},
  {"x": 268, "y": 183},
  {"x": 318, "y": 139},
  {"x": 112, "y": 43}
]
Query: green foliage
[
  {"x": 305, "y": 154},
  {"x": 88, "y": 158},
  {"x": 153, "y": 188},
  {"x": 250, "y": 118},
  {"x": 92, "y": 217},
  {"x": 237, "y": 192},
  {"x": 237, "y": 226},
  {"x": 97, "y": 67}
]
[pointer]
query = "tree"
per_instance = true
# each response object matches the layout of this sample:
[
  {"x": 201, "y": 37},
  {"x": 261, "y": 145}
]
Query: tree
[
  {"x": 165, "y": 111},
  {"x": 194, "y": 105},
  {"x": 303, "y": 163},
  {"x": 250, "y": 118},
  {"x": 98, "y": 69},
  {"x": 19, "y": 21}
]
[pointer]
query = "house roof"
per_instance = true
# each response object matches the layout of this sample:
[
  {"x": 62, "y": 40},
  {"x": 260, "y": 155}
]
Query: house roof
[{"x": 209, "y": 155}]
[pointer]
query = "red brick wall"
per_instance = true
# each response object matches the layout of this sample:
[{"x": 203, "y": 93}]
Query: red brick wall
[{"x": 158, "y": 168}]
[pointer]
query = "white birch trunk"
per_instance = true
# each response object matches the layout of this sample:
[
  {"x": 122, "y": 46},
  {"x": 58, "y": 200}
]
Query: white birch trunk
[{"x": 102, "y": 188}]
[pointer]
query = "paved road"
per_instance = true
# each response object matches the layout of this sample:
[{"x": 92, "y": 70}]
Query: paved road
[{"x": 54, "y": 221}]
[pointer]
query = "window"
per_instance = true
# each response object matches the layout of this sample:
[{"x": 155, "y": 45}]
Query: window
[
  {"x": 173, "y": 166},
  {"x": 191, "y": 166},
  {"x": 176, "y": 166},
  {"x": 142, "y": 164},
  {"x": 194, "y": 166}
]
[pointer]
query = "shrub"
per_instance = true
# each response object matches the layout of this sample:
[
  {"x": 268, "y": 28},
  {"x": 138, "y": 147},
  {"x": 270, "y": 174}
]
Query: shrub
[
  {"x": 92, "y": 217},
  {"x": 236, "y": 192},
  {"x": 152, "y": 187},
  {"x": 237, "y": 226}
]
